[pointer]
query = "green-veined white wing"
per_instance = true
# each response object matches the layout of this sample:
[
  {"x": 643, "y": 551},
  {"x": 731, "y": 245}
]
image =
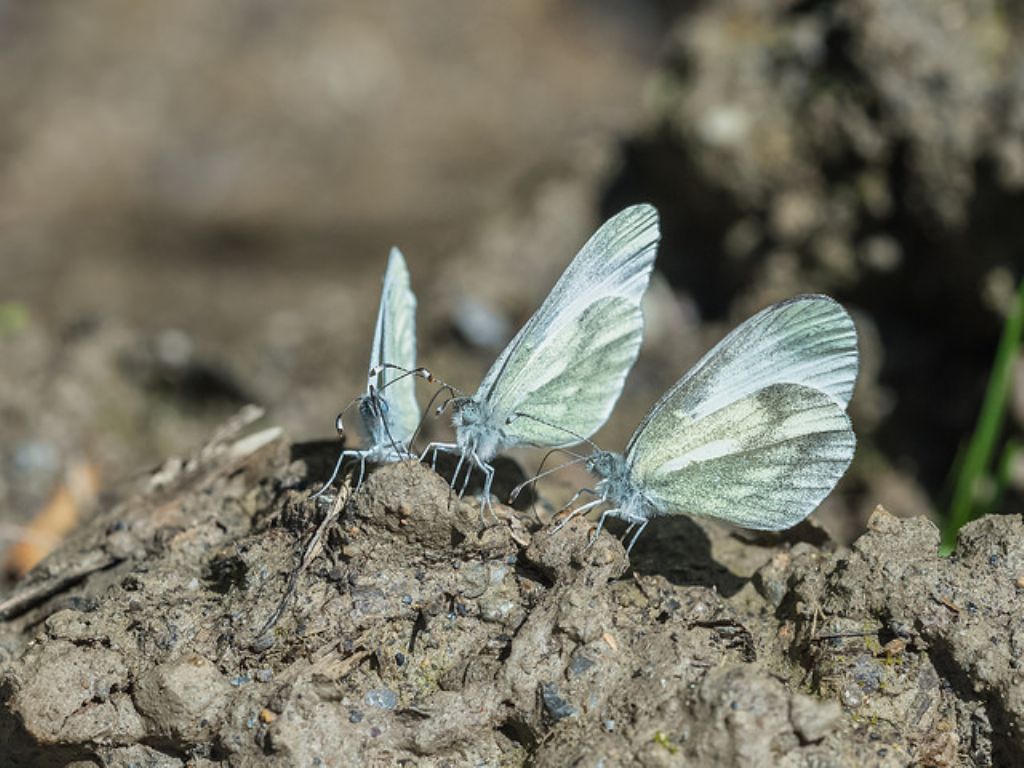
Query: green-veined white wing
[
  {"x": 809, "y": 340},
  {"x": 567, "y": 365},
  {"x": 762, "y": 461},
  {"x": 394, "y": 342}
]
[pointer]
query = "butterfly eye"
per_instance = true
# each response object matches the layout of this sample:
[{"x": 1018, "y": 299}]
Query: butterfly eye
[{"x": 339, "y": 425}]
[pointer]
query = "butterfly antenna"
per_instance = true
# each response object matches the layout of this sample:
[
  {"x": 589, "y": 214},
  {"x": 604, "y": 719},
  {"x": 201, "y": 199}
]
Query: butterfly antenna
[
  {"x": 444, "y": 387},
  {"x": 541, "y": 474},
  {"x": 579, "y": 438},
  {"x": 421, "y": 372},
  {"x": 339, "y": 420}
]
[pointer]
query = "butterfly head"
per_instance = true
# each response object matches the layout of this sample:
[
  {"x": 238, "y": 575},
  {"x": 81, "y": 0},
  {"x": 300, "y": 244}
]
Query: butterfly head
[
  {"x": 615, "y": 483},
  {"x": 465, "y": 411},
  {"x": 607, "y": 465},
  {"x": 475, "y": 427}
]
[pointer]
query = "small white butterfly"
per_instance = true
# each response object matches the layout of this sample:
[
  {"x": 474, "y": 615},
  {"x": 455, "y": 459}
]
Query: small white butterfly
[
  {"x": 559, "y": 378},
  {"x": 388, "y": 409},
  {"x": 756, "y": 433}
]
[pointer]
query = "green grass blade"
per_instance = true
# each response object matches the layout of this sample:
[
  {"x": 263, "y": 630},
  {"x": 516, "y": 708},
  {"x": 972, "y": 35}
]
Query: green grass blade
[{"x": 976, "y": 468}]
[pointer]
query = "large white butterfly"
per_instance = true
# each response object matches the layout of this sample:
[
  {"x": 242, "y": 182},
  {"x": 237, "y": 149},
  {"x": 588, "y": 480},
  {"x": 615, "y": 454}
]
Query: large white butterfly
[
  {"x": 388, "y": 409},
  {"x": 557, "y": 381},
  {"x": 756, "y": 433}
]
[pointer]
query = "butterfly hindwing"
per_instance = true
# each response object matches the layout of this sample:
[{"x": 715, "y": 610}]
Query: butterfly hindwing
[
  {"x": 605, "y": 337},
  {"x": 763, "y": 461}
]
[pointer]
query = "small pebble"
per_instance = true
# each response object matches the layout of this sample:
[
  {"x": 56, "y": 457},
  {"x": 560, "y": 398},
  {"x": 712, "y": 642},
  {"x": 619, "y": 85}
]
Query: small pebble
[
  {"x": 851, "y": 697},
  {"x": 267, "y": 716},
  {"x": 265, "y": 675},
  {"x": 381, "y": 698},
  {"x": 407, "y": 599},
  {"x": 553, "y": 702},
  {"x": 580, "y": 664},
  {"x": 355, "y": 716},
  {"x": 400, "y": 659}
]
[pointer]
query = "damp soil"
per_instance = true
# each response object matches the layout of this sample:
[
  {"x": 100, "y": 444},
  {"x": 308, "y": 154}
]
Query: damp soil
[{"x": 174, "y": 628}]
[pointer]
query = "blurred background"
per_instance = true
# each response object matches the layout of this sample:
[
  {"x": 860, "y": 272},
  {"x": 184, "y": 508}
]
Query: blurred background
[{"x": 197, "y": 200}]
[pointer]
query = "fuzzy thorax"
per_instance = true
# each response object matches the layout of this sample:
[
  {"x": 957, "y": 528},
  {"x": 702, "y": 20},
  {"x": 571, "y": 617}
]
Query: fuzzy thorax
[
  {"x": 476, "y": 431},
  {"x": 616, "y": 487},
  {"x": 384, "y": 446}
]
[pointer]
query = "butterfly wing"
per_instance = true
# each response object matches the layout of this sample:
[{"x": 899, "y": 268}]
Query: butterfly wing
[
  {"x": 756, "y": 432},
  {"x": 808, "y": 340},
  {"x": 567, "y": 365},
  {"x": 764, "y": 461},
  {"x": 394, "y": 342}
]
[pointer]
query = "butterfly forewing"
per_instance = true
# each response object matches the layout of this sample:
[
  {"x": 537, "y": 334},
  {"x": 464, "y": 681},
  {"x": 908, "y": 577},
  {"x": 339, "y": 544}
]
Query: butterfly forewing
[
  {"x": 582, "y": 341},
  {"x": 763, "y": 461},
  {"x": 394, "y": 342}
]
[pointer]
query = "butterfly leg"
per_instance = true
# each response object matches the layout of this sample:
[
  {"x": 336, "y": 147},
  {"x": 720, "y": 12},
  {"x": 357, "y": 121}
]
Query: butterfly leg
[
  {"x": 613, "y": 512},
  {"x": 435, "y": 447},
  {"x": 337, "y": 467},
  {"x": 578, "y": 511},
  {"x": 465, "y": 482},
  {"x": 576, "y": 495},
  {"x": 639, "y": 530},
  {"x": 455, "y": 474},
  {"x": 485, "y": 494},
  {"x": 362, "y": 471}
]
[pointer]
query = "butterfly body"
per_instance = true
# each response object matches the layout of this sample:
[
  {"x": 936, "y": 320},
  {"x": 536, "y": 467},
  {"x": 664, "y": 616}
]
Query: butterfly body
[
  {"x": 379, "y": 425},
  {"x": 477, "y": 432}
]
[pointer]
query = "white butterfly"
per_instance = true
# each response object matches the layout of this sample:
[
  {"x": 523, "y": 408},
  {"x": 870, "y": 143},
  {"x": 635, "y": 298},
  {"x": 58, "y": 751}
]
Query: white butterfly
[
  {"x": 388, "y": 409},
  {"x": 557, "y": 381},
  {"x": 756, "y": 433}
]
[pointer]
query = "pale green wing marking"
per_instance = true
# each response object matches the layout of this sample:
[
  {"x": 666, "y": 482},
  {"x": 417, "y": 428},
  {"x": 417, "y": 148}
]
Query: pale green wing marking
[
  {"x": 764, "y": 461},
  {"x": 579, "y": 375}
]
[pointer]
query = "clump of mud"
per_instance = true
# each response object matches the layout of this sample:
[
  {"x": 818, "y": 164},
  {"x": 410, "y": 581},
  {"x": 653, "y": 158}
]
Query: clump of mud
[{"x": 416, "y": 636}]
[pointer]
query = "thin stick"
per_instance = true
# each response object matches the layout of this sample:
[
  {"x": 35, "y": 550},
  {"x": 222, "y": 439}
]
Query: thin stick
[
  {"x": 313, "y": 548},
  {"x": 33, "y": 594}
]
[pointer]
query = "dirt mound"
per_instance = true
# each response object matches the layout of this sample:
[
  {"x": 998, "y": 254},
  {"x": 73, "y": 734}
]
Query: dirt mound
[{"x": 416, "y": 636}]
